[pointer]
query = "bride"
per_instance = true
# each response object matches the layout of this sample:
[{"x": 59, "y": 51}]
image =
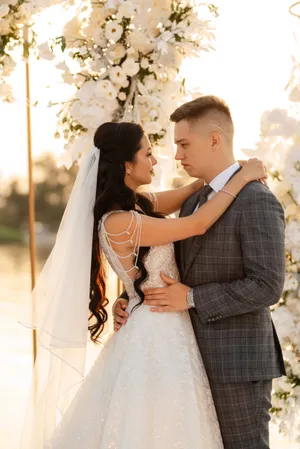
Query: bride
[{"x": 148, "y": 387}]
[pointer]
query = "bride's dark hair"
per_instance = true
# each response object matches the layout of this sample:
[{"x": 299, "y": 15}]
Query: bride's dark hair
[{"x": 118, "y": 143}]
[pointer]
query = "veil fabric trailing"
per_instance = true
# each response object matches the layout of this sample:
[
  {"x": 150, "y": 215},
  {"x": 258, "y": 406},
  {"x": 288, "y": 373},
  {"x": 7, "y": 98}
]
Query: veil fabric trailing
[{"x": 60, "y": 315}]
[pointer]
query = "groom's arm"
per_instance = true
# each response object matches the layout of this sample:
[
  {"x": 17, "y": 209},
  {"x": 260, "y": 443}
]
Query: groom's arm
[
  {"x": 262, "y": 239},
  {"x": 124, "y": 295},
  {"x": 119, "y": 310}
]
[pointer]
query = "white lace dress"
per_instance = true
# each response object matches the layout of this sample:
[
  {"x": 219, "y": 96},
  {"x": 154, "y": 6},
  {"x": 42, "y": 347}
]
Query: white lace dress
[{"x": 148, "y": 388}]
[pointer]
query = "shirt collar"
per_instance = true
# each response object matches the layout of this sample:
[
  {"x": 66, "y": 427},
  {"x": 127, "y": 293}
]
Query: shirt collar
[{"x": 221, "y": 179}]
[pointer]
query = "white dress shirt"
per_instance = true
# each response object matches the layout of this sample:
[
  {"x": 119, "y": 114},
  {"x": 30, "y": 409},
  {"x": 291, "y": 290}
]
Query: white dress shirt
[{"x": 221, "y": 179}]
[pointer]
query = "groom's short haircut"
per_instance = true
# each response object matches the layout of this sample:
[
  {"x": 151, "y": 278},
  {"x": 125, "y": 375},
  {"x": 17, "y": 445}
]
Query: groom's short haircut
[{"x": 209, "y": 106}]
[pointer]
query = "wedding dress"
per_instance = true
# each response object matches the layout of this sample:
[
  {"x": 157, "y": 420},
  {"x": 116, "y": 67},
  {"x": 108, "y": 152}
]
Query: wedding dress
[{"x": 148, "y": 388}]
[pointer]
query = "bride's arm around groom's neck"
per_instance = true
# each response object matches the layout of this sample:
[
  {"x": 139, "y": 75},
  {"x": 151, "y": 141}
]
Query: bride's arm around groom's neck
[{"x": 171, "y": 201}]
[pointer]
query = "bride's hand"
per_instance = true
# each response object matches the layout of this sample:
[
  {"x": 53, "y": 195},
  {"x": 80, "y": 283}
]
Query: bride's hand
[{"x": 254, "y": 169}]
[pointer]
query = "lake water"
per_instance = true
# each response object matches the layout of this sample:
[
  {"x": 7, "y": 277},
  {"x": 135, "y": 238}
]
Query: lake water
[{"x": 16, "y": 343}]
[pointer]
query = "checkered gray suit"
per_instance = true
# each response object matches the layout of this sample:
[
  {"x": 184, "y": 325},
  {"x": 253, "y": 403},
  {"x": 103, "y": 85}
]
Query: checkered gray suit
[{"x": 237, "y": 271}]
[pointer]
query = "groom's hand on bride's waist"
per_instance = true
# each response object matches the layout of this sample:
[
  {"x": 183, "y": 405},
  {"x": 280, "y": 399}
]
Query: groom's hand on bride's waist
[
  {"x": 120, "y": 314},
  {"x": 172, "y": 298}
]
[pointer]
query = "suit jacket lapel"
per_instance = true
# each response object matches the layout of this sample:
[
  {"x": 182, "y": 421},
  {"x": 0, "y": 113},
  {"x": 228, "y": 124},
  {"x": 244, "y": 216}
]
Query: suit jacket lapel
[
  {"x": 187, "y": 209},
  {"x": 198, "y": 240},
  {"x": 196, "y": 243}
]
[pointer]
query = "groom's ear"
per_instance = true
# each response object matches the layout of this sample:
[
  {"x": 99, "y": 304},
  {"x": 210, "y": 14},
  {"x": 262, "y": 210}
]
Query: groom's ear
[{"x": 215, "y": 140}]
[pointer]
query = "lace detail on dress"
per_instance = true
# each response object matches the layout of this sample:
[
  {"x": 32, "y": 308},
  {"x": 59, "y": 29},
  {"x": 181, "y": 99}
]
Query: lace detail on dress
[
  {"x": 123, "y": 265},
  {"x": 133, "y": 237}
]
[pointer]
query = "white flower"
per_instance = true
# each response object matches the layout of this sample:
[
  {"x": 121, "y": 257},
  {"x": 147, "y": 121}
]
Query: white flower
[
  {"x": 127, "y": 9},
  {"x": 292, "y": 167},
  {"x": 5, "y": 26},
  {"x": 75, "y": 110},
  {"x": 105, "y": 89},
  {"x": 96, "y": 65},
  {"x": 282, "y": 384},
  {"x": 131, "y": 51},
  {"x": 6, "y": 92},
  {"x": 112, "y": 5},
  {"x": 86, "y": 92},
  {"x": 293, "y": 305},
  {"x": 45, "y": 52},
  {"x": 62, "y": 66},
  {"x": 4, "y": 10},
  {"x": 172, "y": 59},
  {"x": 9, "y": 2},
  {"x": 295, "y": 365},
  {"x": 113, "y": 31},
  {"x": 140, "y": 42},
  {"x": 144, "y": 63},
  {"x": 279, "y": 123},
  {"x": 77, "y": 147},
  {"x": 153, "y": 68},
  {"x": 130, "y": 67},
  {"x": 8, "y": 65},
  {"x": 283, "y": 320},
  {"x": 152, "y": 127},
  {"x": 295, "y": 94},
  {"x": 293, "y": 234},
  {"x": 25, "y": 11},
  {"x": 67, "y": 78},
  {"x": 72, "y": 29},
  {"x": 118, "y": 17},
  {"x": 164, "y": 42},
  {"x": 97, "y": 112},
  {"x": 99, "y": 38},
  {"x": 116, "y": 52},
  {"x": 153, "y": 113},
  {"x": 291, "y": 282},
  {"x": 292, "y": 211},
  {"x": 296, "y": 253},
  {"x": 83, "y": 50},
  {"x": 150, "y": 83},
  {"x": 97, "y": 16},
  {"x": 122, "y": 96},
  {"x": 117, "y": 75},
  {"x": 279, "y": 188}
]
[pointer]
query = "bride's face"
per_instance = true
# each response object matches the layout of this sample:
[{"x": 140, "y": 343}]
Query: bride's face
[{"x": 140, "y": 171}]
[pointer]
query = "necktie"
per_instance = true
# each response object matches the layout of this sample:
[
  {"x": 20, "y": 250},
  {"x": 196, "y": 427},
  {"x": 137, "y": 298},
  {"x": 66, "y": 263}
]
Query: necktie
[
  {"x": 202, "y": 198},
  {"x": 205, "y": 192}
]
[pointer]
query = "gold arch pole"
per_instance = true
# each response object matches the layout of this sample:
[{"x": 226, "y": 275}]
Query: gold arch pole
[
  {"x": 292, "y": 7},
  {"x": 31, "y": 203}
]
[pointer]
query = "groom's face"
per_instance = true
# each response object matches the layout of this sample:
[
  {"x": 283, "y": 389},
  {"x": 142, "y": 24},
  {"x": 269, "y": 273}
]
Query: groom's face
[{"x": 194, "y": 147}]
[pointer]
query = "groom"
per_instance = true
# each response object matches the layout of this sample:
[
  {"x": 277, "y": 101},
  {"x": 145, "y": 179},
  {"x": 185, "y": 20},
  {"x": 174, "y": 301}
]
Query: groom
[{"x": 229, "y": 278}]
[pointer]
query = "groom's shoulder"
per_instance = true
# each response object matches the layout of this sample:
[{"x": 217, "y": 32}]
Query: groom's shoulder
[
  {"x": 253, "y": 188},
  {"x": 256, "y": 191}
]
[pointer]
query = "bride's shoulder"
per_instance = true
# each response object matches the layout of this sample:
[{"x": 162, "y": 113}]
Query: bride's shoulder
[{"x": 120, "y": 221}]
